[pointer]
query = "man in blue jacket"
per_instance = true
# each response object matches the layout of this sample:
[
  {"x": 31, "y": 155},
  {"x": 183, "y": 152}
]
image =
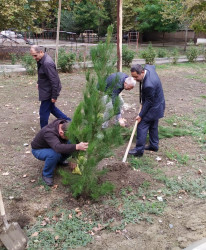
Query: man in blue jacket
[
  {"x": 115, "y": 84},
  {"x": 49, "y": 85},
  {"x": 153, "y": 106}
]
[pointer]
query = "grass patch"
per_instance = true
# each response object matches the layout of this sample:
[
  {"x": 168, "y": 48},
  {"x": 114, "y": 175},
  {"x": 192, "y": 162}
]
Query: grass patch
[
  {"x": 169, "y": 132},
  {"x": 63, "y": 230},
  {"x": 135, "y": 210},
  {"x": 174, "y": 155}
]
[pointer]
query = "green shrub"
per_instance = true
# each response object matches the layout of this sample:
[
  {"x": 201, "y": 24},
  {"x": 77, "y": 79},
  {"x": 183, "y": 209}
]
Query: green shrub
[
  {"x": 30, "y": 64},
  {"x": 148, "y": 54},
  {"x": 175, "y": 56},
  {"x": 127, "y": 56},
  {"x": 192, "y": 53},
  {"x": 161, "y": 53},
  {"x": 66, "y": 60},
  {"x": 13, "y": 58}
]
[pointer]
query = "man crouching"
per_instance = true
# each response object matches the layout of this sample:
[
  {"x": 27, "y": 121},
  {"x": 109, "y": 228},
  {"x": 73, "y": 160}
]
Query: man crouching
[{"x": 52, "y": 146}]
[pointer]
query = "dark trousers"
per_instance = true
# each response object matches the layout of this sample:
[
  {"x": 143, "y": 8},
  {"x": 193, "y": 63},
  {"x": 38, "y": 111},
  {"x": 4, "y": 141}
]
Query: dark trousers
[
  {"x": 48, "y": 107},
  {"x": 142, "y": 130},
  {"x": 51, "y": 159}
]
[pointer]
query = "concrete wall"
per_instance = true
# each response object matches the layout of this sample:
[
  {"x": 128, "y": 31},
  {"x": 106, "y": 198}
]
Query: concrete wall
[{"x": 178, "y": 36}]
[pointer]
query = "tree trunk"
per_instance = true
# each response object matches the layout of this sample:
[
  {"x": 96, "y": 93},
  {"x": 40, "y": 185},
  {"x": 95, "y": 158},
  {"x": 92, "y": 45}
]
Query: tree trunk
[
  {"x": 119, "y": 35},
  {"x": 186, "y": 37}
]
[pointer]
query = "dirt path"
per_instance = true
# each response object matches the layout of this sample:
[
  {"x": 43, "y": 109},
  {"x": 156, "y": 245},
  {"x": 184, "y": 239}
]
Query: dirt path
[{"x": 183, "y": 220}]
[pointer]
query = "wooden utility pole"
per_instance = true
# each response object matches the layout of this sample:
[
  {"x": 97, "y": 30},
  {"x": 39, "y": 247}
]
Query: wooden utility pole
[
  {"x": 58, "y": 28},
  {"x": 119, "y": 35}
]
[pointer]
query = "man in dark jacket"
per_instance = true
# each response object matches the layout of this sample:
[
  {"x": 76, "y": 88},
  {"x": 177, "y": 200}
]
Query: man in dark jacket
[
  {"x": 115, "y": 84},
  {"x": 52, "y": 146},
  {"x": 49, "y": 86},
  {"x": 153, "y": 106}
]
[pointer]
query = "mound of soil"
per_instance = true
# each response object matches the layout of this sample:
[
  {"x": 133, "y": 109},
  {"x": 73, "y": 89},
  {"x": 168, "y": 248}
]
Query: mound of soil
[{"x": 123, "y": 176}]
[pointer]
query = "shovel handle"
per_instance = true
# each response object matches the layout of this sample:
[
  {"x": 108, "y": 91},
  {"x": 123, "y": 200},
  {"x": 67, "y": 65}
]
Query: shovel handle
[
  {"x": 2, "y": 205},
  {"x": 131, "y": 138},
  {"x": 130, "y": 141},
  {"x": 3, "y": 214}
]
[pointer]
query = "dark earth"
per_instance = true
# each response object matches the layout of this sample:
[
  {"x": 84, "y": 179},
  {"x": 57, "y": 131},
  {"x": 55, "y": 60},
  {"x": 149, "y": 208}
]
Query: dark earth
[{"x": 26, "y": 198}]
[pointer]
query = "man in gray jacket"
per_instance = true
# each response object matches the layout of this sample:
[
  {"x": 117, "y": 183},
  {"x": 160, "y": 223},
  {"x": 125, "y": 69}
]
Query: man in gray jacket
[
  {"x": 49, "y": 85},
  {"x": 52, "y": 146}
]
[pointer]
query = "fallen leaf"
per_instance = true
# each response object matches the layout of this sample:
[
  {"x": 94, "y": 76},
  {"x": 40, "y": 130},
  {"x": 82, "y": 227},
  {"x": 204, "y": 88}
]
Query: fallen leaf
[
  {"x": 77, "y": 210},
  {"x": 33, "y": 181},
  {"x": 56, "y": 237},
  {"x": 170, "y": 163},
  {"x": 44, "y": 223},
  {"x": 27, "y": 152},
  {"x": 182, "y": 192},
  {"x": 199, "y": 171},
  {"x": 24, "y": 176},
  {"x": 6, "y": 173},
  {"x": 35, "y": 234},
  {"x": 158, "y": 158},
  {"x": 79, "y": 214},
  {"x": 55, "y": 187},
  {"x": 70, "y": 216}
]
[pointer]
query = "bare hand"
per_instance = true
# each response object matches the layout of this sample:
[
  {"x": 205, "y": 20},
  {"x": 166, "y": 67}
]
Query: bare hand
[
  {"x": 138, "y": 118},
  {"x": 122, "y": 122},
  {"x": 82, "y": 146},
  {"x": 53, "y": 100}
]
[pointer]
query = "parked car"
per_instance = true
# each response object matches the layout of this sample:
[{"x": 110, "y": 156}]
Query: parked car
[{"x": 10, "y": 34}]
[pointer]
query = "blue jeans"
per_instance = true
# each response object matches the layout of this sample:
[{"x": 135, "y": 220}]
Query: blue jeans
[
  {"x": 48, "y": 107},
  {"x": 51, "y": 159},
  {"x": 142, "y": 130}
]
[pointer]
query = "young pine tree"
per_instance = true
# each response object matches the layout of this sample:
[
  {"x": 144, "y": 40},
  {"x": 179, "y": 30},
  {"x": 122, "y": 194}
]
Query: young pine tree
[{"x": 86, "y": 126}]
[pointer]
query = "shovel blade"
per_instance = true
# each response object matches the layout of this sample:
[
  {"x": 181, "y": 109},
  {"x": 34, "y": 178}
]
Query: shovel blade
[{"x": 14, "y": 237}]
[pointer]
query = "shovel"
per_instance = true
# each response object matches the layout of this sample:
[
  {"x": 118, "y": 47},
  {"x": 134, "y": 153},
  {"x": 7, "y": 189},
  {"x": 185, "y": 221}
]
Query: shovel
[
  {"x": 13, "y": 237},
  {"x": 130, "y": 142},
  {"x": 131, "y": 138}
]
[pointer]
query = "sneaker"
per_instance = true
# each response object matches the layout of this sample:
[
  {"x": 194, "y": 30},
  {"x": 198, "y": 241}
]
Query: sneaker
[{"x": 47, "y": 180}]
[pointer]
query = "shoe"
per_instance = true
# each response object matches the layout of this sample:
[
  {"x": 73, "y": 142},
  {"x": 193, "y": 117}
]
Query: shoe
[
  {"x": 151, "y": 148},
  {"x": 135, "y": 153},
  {"x": 47, "y": 180}
]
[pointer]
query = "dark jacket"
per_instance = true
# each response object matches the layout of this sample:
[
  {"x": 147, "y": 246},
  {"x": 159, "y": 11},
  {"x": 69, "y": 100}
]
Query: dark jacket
[
  {"x": 115, "y": 85},
  {"x": 153, "y": 102},
  {"x": 49, "y": 84},
  {"x": 48, "y": 137}
]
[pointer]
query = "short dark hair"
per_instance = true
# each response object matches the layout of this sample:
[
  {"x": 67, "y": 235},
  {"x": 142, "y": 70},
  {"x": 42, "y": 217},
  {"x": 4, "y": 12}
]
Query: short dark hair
[
  {"x": 137, "y": 68},
  {"x": 65, "y": 126}
]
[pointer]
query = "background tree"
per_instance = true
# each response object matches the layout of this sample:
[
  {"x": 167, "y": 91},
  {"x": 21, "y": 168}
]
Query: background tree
[
  {"x": 176, "y": 10},
  {"x": 149, "y": 18},
  {"x": 197, "y": 9},
  {"x": 90, "y": 15},
  {"x": 29, "y": 15}
]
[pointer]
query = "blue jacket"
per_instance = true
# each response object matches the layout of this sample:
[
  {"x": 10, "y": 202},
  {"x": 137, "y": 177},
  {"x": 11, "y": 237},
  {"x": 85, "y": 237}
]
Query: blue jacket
[
  {"x": 153, "y": 102},
  {"x": 114, "y": 86}
]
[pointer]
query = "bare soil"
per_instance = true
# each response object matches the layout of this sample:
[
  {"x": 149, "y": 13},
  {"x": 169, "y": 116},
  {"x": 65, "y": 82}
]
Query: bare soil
[{"x": 20, "y": 173}]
